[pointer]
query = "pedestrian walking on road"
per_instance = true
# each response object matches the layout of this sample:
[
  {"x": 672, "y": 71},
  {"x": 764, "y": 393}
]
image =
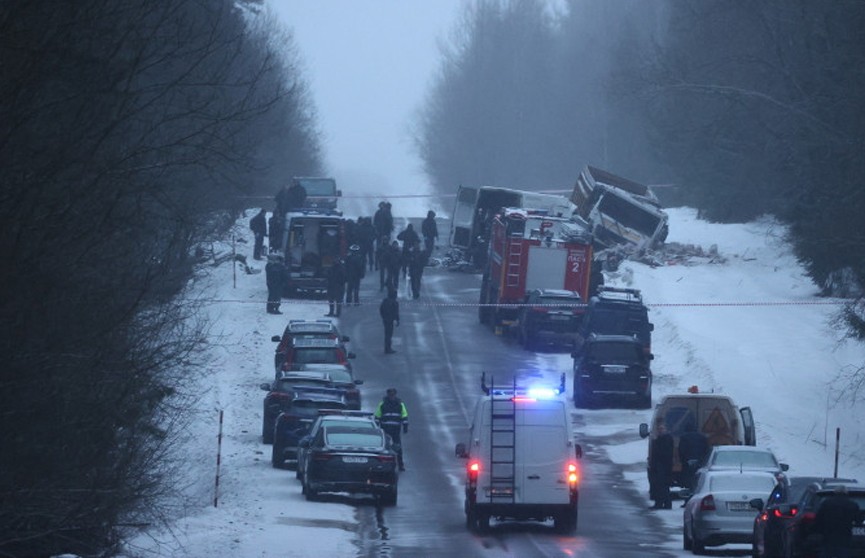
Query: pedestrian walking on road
[
  {"x": 416, "y": 265},
  {"x": 335, "y": 287},
  {"x": 430, "y": 231},
  {"x": 354, "y": 272},
  {"x": 258, "y": 226},
  {"x": 391, "y": 259},
  {"x": 389, "y": 311},
  {"x": 392, "y": 417},
  {"x": 409, "y": 238},
  {"x": 661, "y": 468}
]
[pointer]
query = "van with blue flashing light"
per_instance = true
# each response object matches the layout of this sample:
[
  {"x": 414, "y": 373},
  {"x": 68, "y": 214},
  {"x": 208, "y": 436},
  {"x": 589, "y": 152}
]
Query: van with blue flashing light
[{"x": 522, "y": 462}]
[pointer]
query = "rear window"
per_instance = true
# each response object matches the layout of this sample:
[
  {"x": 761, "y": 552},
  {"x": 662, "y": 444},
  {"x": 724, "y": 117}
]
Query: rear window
[
  {"x": 356, "y": 439},
  {"x": 744, "y": 459},
  {"x": 615, "y": 352},
  {"x": 858, "y": 497},
  {"x": 342, "y": 376},
  {"x": 305, "y": 356},
  {"x": 608, "y": 321},
  {"x": 749, "y": 483}
]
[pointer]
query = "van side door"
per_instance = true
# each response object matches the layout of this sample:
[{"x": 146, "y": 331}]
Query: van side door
[{"x": 748, "y": 426}]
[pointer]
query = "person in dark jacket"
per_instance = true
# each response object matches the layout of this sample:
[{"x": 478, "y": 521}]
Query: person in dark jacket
[
  {"x": 381, "y": 249},
  {"x": 276, "y": 277},
  {"x": 409, "y": 238},
  {"x": 354, "y": 272},
  {"x": 661, "y": 468},
  {"x": 366, "y": 238},
  {"x": 335, "y": 287},
  {"x": 276, "y": 226},
  {"x": 389, "y": 312},
  {"x": 834, "y": 520},
  {"x": 258, "y": 226},
  {"x": 430, "y": 231},
  {"x": 417, "y": 262},
  {"x": 391, "y": 259},
  {"x": 392, "y": 416},
  {"x": 382, "y": 220},
  {"x": 693, "y": 451},
  {"x": 295, "y": 197}
]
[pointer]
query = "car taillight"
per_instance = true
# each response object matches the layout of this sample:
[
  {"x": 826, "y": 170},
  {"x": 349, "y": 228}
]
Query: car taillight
[
  {"x": 322, "y": 456},
  {"x": 280, "y": 396},
  {"x": 707, "y": 503},
  {"x": 778, "y": 513},
  {"x": 573, "y": 474},
  {"x": 808, "y": 517},
  {"x": 385, "y": 458}
]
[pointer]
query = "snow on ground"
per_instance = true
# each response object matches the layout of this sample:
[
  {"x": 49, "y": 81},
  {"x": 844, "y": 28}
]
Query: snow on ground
[{"x": 751, "y": 327}]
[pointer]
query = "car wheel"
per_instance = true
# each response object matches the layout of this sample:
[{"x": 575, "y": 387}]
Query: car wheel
[
  {"x": 645, "y": 401},
  {"x": 483, "y": 522},
  {"x": 277, "y": 456},
  {"x": 686, "y": 542},
  {"x": 471, "y": 518},
  {"x": 267, "y": 429},
  {"x": 697, "y": 545},
  {"x": 297, "y": 473}
]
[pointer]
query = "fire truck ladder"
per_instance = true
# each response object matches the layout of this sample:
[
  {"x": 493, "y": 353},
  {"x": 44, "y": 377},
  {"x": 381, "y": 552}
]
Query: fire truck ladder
[
  {"x": 503, "y": 442},
  {"x": 515, "y": 260}
]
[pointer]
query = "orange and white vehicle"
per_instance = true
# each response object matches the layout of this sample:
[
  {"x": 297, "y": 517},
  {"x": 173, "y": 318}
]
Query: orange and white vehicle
[
  {"x": 521, "y": 458},
  {"x": 531, "y": 249}
]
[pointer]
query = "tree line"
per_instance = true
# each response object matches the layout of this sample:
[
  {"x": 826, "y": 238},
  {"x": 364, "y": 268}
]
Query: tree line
[
  {"x": 130, "y": 131},
  {"x": 747, "y": 108}
]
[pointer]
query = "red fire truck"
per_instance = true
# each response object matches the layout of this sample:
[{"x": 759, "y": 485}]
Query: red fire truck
[{"x": 530, "y": 249}]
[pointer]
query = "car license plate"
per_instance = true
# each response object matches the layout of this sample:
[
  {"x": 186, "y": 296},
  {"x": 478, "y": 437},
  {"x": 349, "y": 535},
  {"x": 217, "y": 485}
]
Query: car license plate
[
  {"x": 615, "y": 369},
  {"x": 859, "y": 531},
  {"x": 739, "y": 506},
  {"x": 350, "y": 459}
]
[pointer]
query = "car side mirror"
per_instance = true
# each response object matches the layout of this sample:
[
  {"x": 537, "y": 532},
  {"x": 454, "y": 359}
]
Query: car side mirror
[
  {"x": 265, "y": 387},
  {"x": 351, "y": 355},
  {"x": 784, "y": 467},
  {"x": 460, "y": 450},
  {"x": 757, "y": 504},
  {"x": 276, "y": 339},
  {"x": 578, "y": 451},
  {"x": 644, "y": 430}
]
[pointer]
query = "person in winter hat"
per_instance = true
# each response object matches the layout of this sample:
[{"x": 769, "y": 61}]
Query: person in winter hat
[
  {"x": 429, "y": 230},
  {"x": 392, "y": 416},
  {"x": 354, "y": 272}
]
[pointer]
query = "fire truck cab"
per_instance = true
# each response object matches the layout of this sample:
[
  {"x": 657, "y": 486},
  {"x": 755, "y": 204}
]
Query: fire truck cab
[{"x": 530, "y": 249}]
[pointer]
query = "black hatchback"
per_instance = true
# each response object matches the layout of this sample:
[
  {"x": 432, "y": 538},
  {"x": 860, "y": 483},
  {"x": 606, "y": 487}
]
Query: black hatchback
[{"x": 612, "y": 367}]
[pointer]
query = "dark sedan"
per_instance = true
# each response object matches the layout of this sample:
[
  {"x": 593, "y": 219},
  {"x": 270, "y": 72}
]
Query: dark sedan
[
  {"x": 785, "y": 526},
  {"x": 332, "y": 417},
  {"x": 281, "y": 393},
  {"x": 353, "y": 460},
  {"x": 303, "y": 329},
  {"x": 294, "y": 422}
]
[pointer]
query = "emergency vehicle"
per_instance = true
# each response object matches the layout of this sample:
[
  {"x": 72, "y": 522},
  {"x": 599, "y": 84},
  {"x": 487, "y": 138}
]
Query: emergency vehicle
[
  {"x": 521, "y": 458},
  {"x": 531, "y": 249},
  {"x": 313, "y": 240}
]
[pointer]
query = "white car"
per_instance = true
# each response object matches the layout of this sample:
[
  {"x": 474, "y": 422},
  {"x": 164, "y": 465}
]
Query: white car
[{"x": 719, "y": 512}]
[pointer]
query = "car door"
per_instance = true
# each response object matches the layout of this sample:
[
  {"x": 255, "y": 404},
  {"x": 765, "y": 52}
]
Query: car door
[{"x": 748, "y": 425}]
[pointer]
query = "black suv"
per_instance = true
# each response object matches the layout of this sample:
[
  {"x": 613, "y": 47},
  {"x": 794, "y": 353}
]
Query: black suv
[
  {"x": 616, "y": 311},
  {"x": 550, "y": 316},
  {"x": 613, "y": 366},
  {"x": 785, "y": 525}
]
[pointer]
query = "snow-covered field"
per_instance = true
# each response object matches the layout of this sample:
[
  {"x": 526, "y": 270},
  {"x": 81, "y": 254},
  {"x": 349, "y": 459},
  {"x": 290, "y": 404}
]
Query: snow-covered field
[{"x": 751, "y": 327}]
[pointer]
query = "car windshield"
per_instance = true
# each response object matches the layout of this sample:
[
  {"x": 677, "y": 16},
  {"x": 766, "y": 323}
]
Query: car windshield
[
  {"x": 356, "y": 439},
  {"x": 744, "y": 459},
  {"x": 615, "y": 352},
  {"x": 748, "y": 483},
  {"x": 306, "y": 356}
]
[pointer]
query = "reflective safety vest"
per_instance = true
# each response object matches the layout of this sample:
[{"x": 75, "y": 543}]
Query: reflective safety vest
[{"x": 391, "y": 412}]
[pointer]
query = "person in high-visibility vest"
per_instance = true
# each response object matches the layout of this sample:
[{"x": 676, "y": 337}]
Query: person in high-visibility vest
[{"x": 392, "y": 416}]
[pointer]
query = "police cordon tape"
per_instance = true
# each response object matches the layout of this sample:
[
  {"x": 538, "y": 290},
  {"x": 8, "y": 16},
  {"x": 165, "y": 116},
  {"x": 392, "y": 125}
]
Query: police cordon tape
[{"x": 520, "y": 305}]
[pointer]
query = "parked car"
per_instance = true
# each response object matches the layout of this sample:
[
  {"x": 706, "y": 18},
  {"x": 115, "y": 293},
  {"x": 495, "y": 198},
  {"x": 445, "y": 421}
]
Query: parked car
[
  {"x": 312, "y": 350},
  {"x": 280, "y": 394},
  {"x": 294, "y": 421},
  {"x": 784, "y": 525},
  {"x": 719, "y": 511},
  {"x": 744, "y": 458},
  {"x": 303, "y": 329},
  {"x": 714, "y": 415},
  {"x": 616, "y": 311},
  {"x": 332, "y": 417},
  {"x": 550, "y": 317},
  {"x": 339, "y": 376},
  {"x": 612, "y": 367},
  {"x": 351, "y": 459}
]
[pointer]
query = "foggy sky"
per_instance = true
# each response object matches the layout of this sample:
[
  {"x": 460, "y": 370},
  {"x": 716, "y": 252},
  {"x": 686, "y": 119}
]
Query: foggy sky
[{"x": 369, "y": 63}]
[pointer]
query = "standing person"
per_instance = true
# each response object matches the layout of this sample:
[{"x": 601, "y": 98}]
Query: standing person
[
  {"x": 366, "y": 238},
  {"x": 389, "y": 312},
  {"x": 430, "y": 231},
  {"x": 392, "y": 416},
  {"x": 382, "y": 220},
  {"x": 354, "y": 272},
  {"x": 276, "y": 226},
  {"x": 661, "y": 468},
  {"x": 417, "y": 263},
  {"x": 258, "y": 226},
  {"x": 409, "y": 238},
  {"x": 335, "y": 287},
  {"x": 835, "y": 518},
  {"x": 281, "y": 199},
  {"x": 693, "y": 451},
  {"x": 295, "y": 197},
  {"x": 276, "y": 277},
  {"x": 381, "y": 250},
  {"x": 392, "y": 260}
]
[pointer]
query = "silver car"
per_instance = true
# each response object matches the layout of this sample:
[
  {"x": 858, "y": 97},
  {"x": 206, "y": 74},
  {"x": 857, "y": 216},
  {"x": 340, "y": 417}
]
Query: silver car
[
  {"x": 719, "y": 512},
  {"x": 744, "y": 458}
]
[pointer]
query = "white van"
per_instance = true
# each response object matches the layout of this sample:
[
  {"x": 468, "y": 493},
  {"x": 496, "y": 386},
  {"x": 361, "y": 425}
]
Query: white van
[{"x": 522, "y": 458}]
